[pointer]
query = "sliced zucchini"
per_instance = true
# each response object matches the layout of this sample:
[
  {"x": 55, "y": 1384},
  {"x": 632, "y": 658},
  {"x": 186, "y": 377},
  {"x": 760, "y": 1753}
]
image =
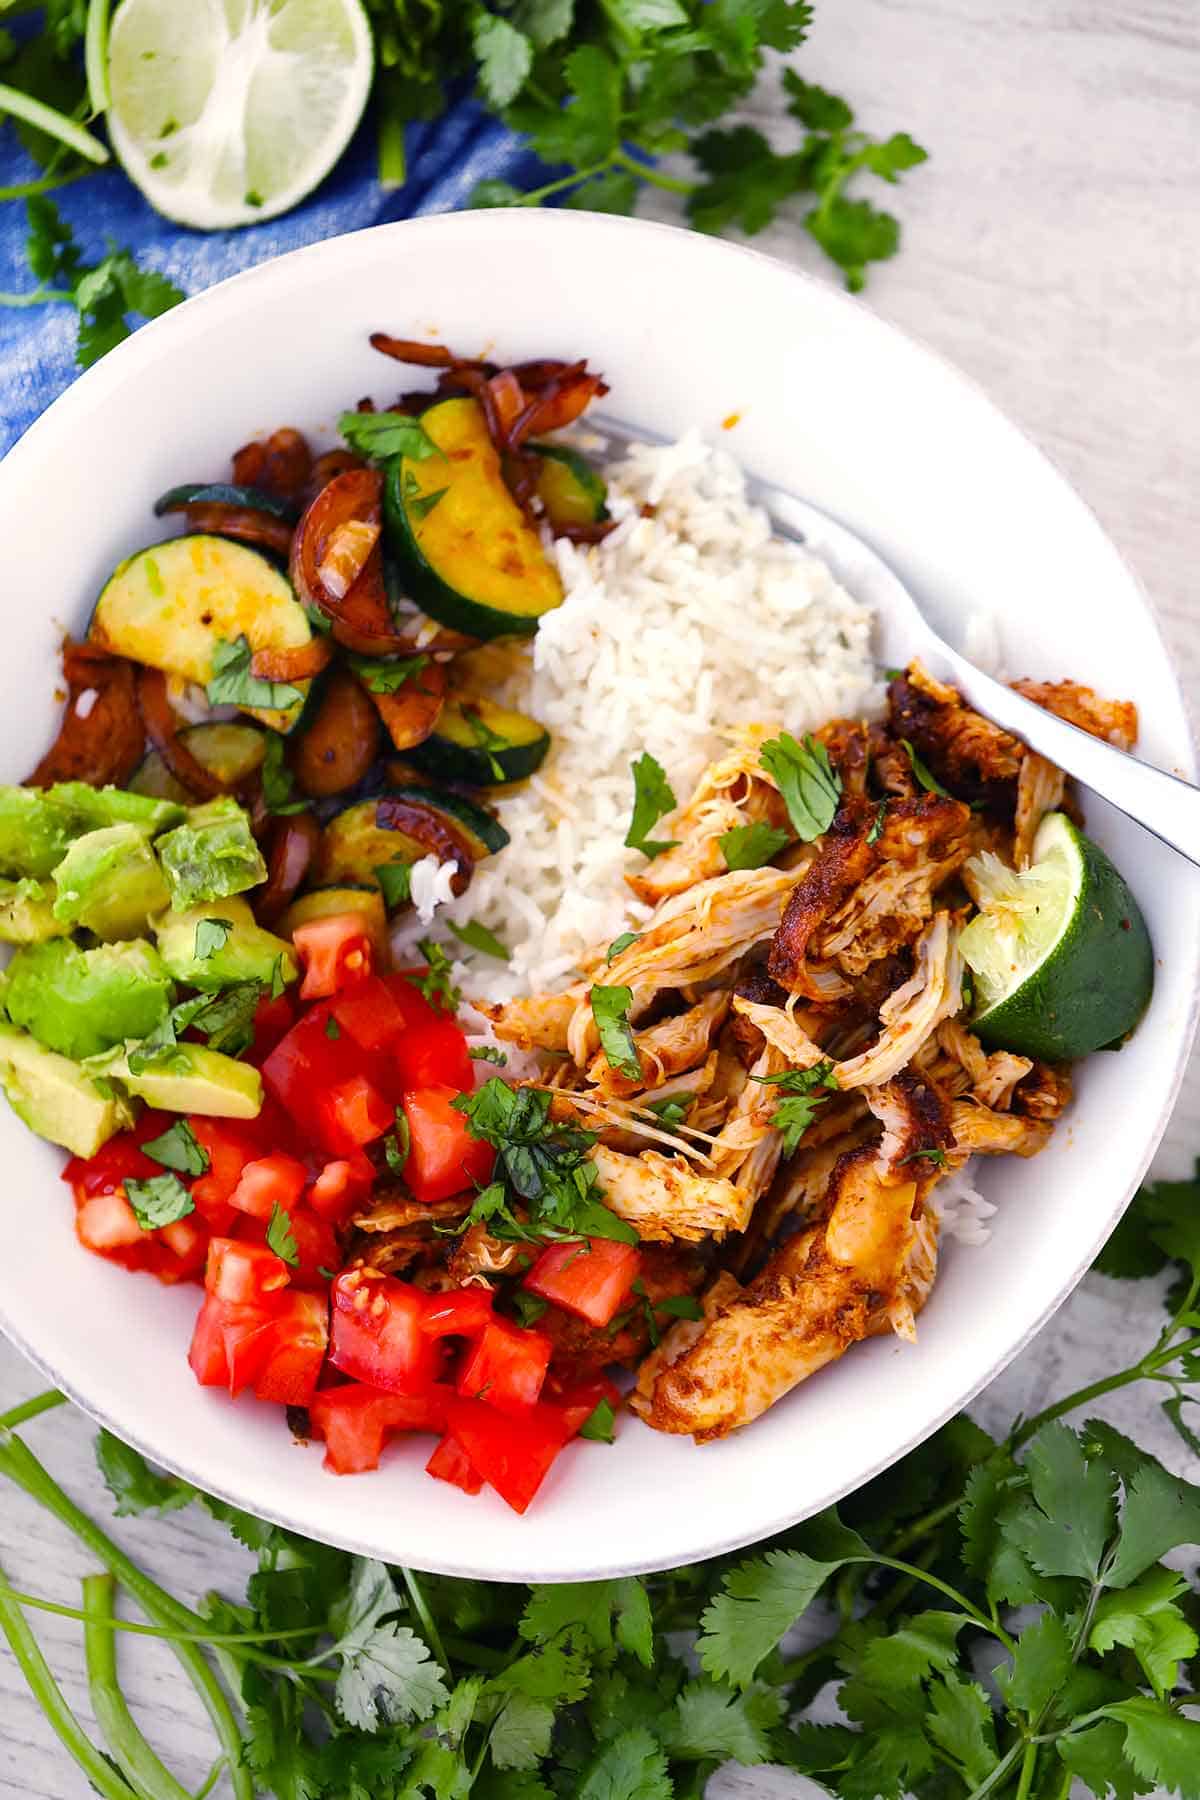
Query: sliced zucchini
[
  {"x": 326, "y": 902},
  {"x": 481, "y": 743},
  {"x": 569, "y": 488},
  {"x": 153, "y": 777},
  {"x": 481, "y": 831},
  {"x": 224, "y": 493},
  {"x": 170, "y": 606},
  {"x": 372, "y": 834},
  {"x": 229, "y": 751},
  {"x": 469, "y": 556}
]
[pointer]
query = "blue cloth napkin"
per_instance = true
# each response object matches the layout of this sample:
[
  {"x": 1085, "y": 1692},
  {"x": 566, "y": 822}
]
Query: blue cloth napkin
[{"x": 446, "y": 158}]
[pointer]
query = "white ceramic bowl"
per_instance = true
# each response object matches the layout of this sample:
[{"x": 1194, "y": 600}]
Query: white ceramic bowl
[{"x": 833, "y": 405}]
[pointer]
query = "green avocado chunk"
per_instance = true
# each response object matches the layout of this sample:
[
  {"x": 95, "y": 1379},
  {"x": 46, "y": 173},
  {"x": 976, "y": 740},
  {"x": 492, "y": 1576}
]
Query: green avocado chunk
[
  {"x": 34, "y": 831},
  {"x": 219, "y": 943},
  {"x": 110, "y": 882},
  {"x": 212, "y": 854},
  {"x": 191, "y": 1079},
  {"x": 56, "y": 1098},
  {"x": 82, "y": 1002},
  {"x": 115, "y": 806},
  {"x": 27, "y": 912}
]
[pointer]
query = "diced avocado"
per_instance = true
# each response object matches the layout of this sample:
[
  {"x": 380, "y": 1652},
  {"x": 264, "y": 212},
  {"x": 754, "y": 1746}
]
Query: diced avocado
[
  {"x": 34, "y": 831},
  {"x": 116, "y": 806},
  {"x": 110, "y": 882},
  {"x": 191, "y": 1079},
  {"x": 246, "y": 953},
  {"x": 56, "y": 1098},
  {"x": 27, "y": 912},
  {"x": 82, "y": 1002},
  {"x": 212, "y": 854}
]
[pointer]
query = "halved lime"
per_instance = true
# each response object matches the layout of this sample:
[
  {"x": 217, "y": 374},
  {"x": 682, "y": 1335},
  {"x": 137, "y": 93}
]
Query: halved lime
[
  {"x": 1060, "y": 952},
  {"x": 225, "y": 112}
]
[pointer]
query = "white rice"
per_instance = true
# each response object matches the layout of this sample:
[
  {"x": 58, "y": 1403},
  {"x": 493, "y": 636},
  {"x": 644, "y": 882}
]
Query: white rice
[{"x": 679, "y": 628}]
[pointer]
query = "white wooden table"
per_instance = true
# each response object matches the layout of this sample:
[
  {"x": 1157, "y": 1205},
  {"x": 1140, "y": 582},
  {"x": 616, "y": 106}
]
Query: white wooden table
[{"x": 1052, "y": 249}]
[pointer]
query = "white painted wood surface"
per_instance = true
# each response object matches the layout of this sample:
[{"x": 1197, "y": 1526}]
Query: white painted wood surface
[{"x": 1052, "y": 250}]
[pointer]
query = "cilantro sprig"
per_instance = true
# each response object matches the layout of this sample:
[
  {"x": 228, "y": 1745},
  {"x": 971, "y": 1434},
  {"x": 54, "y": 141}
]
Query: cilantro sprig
[
  {"x": 801, "y": 1098},
  {"x": 653, "y": 797},
  {"x": 808, "y": 782},
  {"x": 384, "y": 435}
]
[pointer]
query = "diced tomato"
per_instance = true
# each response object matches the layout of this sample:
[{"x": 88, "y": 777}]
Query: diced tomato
[
  {"x": 451, "y": 1463},
  {"x": 355, "y": 1420},
  {"x": 591, "y": 1279},
  {"x": 434, "y": 1055},
  {"x": 414, "y": 1007},
  {"x": 269, "y": 1181},
  {"x": 273, "y": 1019},
  {"x": 377, "y": 1336},
  {"x": 228, "y": 1344},
  {"x": 187, "y": 1241},
  {"x": 316, "y": 1248},
  {"x": 369, "y": 1014},
  {"x": 579, "y": 1400},
  {"x": 355, "y": 1113},
  {"x": 444, "y": 1158},
  {"x": 229, "y": 1146},
  {"x": 341, "y": 1186},
  {"x": 107, "y": 1222},
  {"x": 294, "y": 1350},
  {"x": 463, "y": 1312},
  {"x": 303, "y": 1067},
  {"x": 507, "y": 1367},
  {"x": 122, "y": 1155},
  {"x": 336, "y": 952},
  {"x": 243, "y": 1274},
  {"x": 513, "y": 1453}
]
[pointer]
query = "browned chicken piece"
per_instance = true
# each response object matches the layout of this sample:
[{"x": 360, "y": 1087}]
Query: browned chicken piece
[
  {"x": 891, "y": 765},
  {"x": 916, "y": 1284},
  {"x": 968, "y": 754},
  {"x": 978, "y": 1128},
  {"x": 847, "y": 742},
  {"x": 680, "y": 1336},
  {"x": 580, "y": 1349},
  {"x": 801, "y": 1184},
  {"x": 1045, "y": 1093},
  {"x": 1040, "y": 789},
  {"x": 916, "y": 1126},
  {"x": 757, "y": 986},
  {"x": 869, "y": 891},
  {"x": 991, "y": 1079},
  {"x": 823, "y": 1291},
  {"x": 395, "y": 1210},
  {"x": 668, "y": 1048},
  {"x": 1116, "y": 721},
  {"x": 696, "y": 856},
  {"x": 538, "y": 1022},
  {"x": 664, "y": 1197},
  {"x": 397, "y": 1231}
]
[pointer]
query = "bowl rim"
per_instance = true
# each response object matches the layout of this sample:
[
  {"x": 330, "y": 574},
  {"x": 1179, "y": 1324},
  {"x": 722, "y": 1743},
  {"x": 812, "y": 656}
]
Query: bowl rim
[{"x": 90, "y": 389}]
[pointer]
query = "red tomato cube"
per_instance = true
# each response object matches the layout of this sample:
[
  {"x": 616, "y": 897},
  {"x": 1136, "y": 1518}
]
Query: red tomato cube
[
  {"x": 513, "y": 1454},
  {"x": 591, "y": 1279},
  {"x": 443, "y": 1158},
  {"x": 336, "y": 953},
  {"x": 377, "y": 1336},
  {"x": 356, "y": 1420},
  {"x": 451, "y": 1463},
  {"x": 269, "y": 1181},
  {"x": 507, "y": 1367}
]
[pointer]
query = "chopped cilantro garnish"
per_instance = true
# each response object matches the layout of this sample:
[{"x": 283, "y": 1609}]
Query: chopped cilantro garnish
[
  {"x": 280, "y": 1236},
  {"x": 382, "y": 435},
  {"x": 922, "y": 773},
  {"x": 477, "y": 937},
  {"x": 610, "y": 1009},
  {"x": 750, "y": 846},
  {"x": 811, "y": 787},
  {"x": 232, "y": 682},
  {"x": 159, "y": 1200},
  {"x": 210, "y": 937},
  {"x": 436, "y": 984},
  {"x": 795, "y": 1113},
  {"x": 652, "y": 799},
  {"x": 621, "y": 943},
  {"x": 178, "y": 1148},
  {"x": 382, "y": 676}
]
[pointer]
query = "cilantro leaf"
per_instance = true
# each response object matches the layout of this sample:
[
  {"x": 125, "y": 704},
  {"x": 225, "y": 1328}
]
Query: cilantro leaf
[
  {"x": 652, "y": 798},
  {"x": 178, "y": 1148},
  {"x": 629, "y": 1767},
  {"x": 750, "y": 846},
  {"x": 795, "y": 1113},
  {"x": 487, "y": 1053},
  {"x": 600, "y": 1424},
  {"x": 1160, "y": 1513},
  {"x": 477, "y": 937},
  {"x": 232, "y": 683},
  {"x": 1067, "y": 1527},
  {"x": 158, "y": 1200},
  {"x": 382, "y": 435},
  {"x": 395, "y": 883},
  {"x": 610, "y": 1010},
  {"x": 210, "y": 937},
  {"x": 1097, "y": 1757},
  {"x": 876, "y": 831},
  {"x": 397, "y": 1143},
  {"x": 587, "y": 129},
  {"x": 711, "y": 1720},
  {"x": 1147, "y": 1619},
  {"x": 505, "y": 57},
  {"x": 387, "y": 675},
  {"x": 914, "y": 1649},
  {"x": 960, "y": 1721},
  {"x": 621, "y": 943},
  {"x": 134, "y": 1485},
  {"x": 1160, "y": 1744},
  {"x": 757, "y": 1603},
  {"x": 1040, "y": 1666},
  {"x": 280, "y": 1236},
  {"x": 811, "y": 787},
  {"x": 386, "y": 1674},
  {"x": 436, "y": 984},
  {"x": 923, "y": 776},
  {"x": 227, "y": 1020}
]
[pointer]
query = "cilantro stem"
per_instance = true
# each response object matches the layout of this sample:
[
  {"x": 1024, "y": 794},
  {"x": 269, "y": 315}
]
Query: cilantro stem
[
  {"x": 951, "y": 1593},
  {"x": 45, "y": 184},
  {"x": 49, "y": 1697},
  {"x": 671, "y": 184},
  {"x": 30, "y": 1409},
  {"x": 55, "y": 124},
  {"x": 477, "y": 1656},
  {"x": 211, "y": 1779},
  {"x": 536, "y": 195},
  {"x": 420, "y": 1606},
  {"x": 1007, "y": 1762},
  {"x": 234, "y": 1638},
  {"x": 95, "y": 56},
  {"x": 146, "y": 1774},
  {"x": 36, "y": 297},
  {"x": 1028, "y": 1766}
]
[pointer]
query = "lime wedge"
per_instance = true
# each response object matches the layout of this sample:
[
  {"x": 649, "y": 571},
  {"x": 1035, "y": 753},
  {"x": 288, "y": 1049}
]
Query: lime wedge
[
  {"x": 1060, "y": 953},
  {"x": 225, "y": 112}
]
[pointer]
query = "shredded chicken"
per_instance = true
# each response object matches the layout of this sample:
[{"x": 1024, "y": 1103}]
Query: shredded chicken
[
  {"x": 1040, "y": 789},
  {"x": 1116, "y": 721},
  {"x": 977, "y": 1128},
  {"x": 665, "y": 1049},
  {"x": 664, "y": 1197}
]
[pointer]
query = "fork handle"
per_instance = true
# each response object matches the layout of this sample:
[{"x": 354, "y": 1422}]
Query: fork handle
[{"x": 1165, "y": 804}]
